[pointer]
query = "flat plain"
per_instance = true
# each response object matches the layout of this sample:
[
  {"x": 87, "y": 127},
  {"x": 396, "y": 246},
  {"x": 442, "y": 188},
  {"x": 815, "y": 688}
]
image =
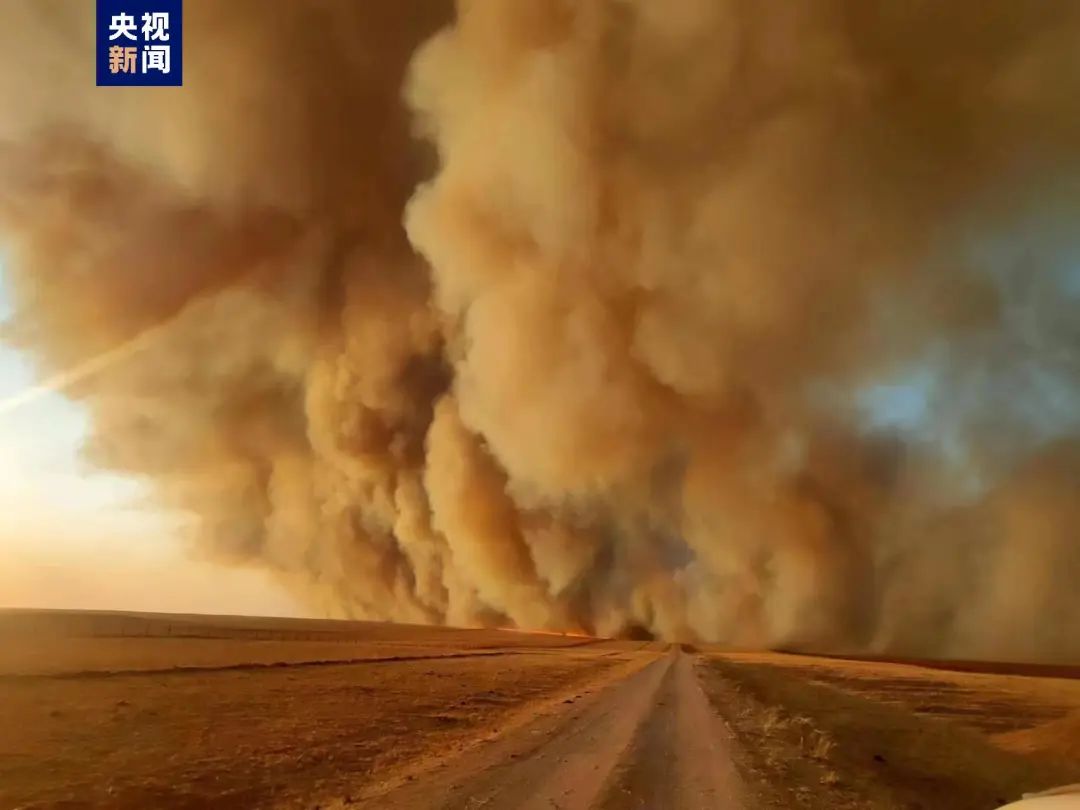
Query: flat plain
[{"x": 135, "y": 711}]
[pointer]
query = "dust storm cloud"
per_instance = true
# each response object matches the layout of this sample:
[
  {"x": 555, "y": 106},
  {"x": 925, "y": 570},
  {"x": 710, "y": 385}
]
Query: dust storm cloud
[{"x": 558, "y": 315}]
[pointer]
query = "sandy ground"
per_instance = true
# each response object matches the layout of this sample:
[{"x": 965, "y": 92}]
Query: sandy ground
[{"x": 124, "y": 711}]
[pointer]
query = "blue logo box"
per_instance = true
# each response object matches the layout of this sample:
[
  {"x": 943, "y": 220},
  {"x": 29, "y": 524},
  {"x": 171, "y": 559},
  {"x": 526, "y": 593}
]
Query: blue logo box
[{"x": 140, "y": 43}]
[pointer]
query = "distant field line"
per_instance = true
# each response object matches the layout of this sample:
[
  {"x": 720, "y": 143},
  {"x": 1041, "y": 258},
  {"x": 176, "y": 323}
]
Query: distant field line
[
  {"x": 41, "y": 625},
  {"x": 256, "y": 665}
]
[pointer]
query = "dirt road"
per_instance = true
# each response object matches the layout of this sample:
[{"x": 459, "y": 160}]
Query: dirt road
[{"x": 650, "y": 740}]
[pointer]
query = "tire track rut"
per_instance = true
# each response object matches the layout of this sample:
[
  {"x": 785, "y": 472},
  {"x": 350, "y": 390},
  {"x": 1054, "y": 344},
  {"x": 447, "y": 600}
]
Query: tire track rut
[{"x": 650, "y": 740}]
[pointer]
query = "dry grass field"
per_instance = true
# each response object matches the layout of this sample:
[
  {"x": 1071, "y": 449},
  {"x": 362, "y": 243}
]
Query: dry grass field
[
  {"x": 129, "y": 711},
  {"x": 231, "y": 714},
  {"x": 836, "y": 733},
  {"x": 63, "y": 643}
]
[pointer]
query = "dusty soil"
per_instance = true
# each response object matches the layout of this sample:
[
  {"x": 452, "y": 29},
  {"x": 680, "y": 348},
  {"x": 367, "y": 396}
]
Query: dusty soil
[
  {"x": 826, "y": 733},
  {"x": 18, "y": 623},
  {"x": 132, "y": 711},
  {"x": 104, "y": 656},
  {"x": 74, "y": 643},
  {"x": 115, "y": 722},
  {"x": 646, "y": 740},
  {"x": 255, "y": 737}
]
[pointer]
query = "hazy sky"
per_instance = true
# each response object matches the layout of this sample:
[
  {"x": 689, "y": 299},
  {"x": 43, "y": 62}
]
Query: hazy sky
[{"x": 73, "y": 536}]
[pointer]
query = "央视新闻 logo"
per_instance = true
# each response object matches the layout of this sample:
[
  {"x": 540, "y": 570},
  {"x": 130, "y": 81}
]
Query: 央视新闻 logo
[{"x": 140, "y": 43}]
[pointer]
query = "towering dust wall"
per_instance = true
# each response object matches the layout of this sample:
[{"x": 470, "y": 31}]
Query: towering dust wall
[{"x": 582, "y": 315}]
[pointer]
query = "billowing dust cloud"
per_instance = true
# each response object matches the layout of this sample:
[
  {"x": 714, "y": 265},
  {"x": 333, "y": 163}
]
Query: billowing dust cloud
[{"x": 578, "y": 315}]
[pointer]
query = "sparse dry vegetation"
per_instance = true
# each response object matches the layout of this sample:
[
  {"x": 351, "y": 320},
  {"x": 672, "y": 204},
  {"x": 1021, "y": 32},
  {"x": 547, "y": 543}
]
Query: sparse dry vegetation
[
  {"x": 806, "y": 744},
  {"x": 258, "y": 723}
]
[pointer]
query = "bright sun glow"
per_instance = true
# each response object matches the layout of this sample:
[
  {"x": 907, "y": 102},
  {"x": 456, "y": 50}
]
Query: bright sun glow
[{"x": 72, "y": 536}]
